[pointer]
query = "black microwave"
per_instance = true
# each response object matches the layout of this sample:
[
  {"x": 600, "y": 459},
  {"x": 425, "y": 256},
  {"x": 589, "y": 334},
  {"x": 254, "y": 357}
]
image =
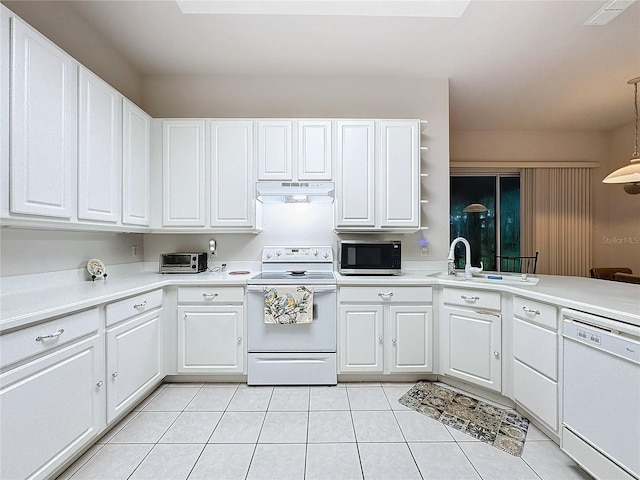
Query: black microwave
[{"x": 369, "y": 258}]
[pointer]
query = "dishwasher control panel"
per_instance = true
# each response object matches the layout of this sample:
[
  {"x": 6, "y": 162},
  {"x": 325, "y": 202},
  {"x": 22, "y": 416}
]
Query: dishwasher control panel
[{"x": 620, "y": 345}]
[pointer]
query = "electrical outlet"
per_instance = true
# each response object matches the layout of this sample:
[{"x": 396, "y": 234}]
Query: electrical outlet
[
  {"x": 134, "y": 251},
  {"x": 212, "y": 246}
]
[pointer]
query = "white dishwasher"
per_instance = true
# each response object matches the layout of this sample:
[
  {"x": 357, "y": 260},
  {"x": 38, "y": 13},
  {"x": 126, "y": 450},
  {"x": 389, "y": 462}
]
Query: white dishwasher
[{"x": 601, "y": 414}]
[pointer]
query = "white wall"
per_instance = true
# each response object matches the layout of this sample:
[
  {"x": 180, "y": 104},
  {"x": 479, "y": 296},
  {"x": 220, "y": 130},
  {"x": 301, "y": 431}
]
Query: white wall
[
  {"x": 616, "y": 225},
  {"x": 331, "y": 97},
  {"x": 516, "y": 146},
  {"x": 284, "y": 224},
  {"x": 36, "y": 251}
]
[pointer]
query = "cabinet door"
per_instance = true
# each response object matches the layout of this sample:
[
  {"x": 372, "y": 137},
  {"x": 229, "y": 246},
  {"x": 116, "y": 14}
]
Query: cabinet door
[
  {"x": 361, "y": 339},
  {"x": 210, "y": 339},
  {"x": 232, "y": 181},
  {"x": 43, "y": 126},
  {"x": 183, "y": 183},
  {"x": 51, "y": 408},
  {"x": 411, "y": 345},
  {"x": 314, "y": 150},
  {"x": 134, "y": 361},
  {"x": 136, "y": 164},
  {"x": 355, "y": 177},
  {"x": 99, "y": 150},
  {"x": 399, "y": 182},
  {"x": 470, "y": 343},
  {"x": 274, "y": 150}
]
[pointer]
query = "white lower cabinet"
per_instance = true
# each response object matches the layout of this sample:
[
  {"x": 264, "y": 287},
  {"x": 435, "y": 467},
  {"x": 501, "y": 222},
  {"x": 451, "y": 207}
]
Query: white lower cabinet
[
  {"x": 382, "y": 334},
  {"x": 211, "y": 330},
  {"x": 536, "y": 360},
  {"x": 470, "y": 338},
  {"x": 134, "y": 361},
  {"x": 52, "y": 400}
]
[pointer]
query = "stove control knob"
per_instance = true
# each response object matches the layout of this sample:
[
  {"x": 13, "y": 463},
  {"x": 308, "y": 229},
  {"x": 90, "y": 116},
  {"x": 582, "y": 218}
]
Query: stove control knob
[
  {"x": 326, "y": 255},
  {"x": 315, "y": 253},
  {"x": 278, "y": 253},
  {"x": 268, "y": 255}
]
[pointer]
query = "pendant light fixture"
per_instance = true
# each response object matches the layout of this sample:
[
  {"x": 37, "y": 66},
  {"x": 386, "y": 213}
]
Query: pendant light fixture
[
  {"x": 475, "y": 208},
  {"x": 629, "y": 175}
]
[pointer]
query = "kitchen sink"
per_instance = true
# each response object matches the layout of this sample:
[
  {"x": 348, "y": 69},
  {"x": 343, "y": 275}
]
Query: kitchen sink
[{"x": 490, "y": 277}]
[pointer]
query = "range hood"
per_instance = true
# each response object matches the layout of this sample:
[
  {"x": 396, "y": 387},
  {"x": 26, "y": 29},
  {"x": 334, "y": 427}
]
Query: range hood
[{"x": 295, "y": 192}]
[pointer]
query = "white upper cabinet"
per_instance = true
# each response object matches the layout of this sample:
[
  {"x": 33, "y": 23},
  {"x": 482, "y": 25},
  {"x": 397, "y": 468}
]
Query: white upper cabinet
[
  {"x": 275, "y": 160},
  {"x": 136, "y": 158},
  {"x": 314, "y": 150},
  {"x": 43, "y": 126},
  {"x": 377, "y": 175},
  {"x": 99, "y": 150},
  {"x": 399, "y": 187},
  {"x": 355, "y": 163},
  {"x": 183, "y": 160},
  {"x": 294, "y": 150},
  {"x": 232, "y": 178}
]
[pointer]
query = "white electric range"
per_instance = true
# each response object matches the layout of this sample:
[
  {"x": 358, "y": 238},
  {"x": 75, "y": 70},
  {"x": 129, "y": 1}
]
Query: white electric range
[{"x": 293, "y": 354}]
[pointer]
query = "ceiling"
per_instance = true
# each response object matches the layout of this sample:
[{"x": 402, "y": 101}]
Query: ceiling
[{"x": 511, "y": 65}]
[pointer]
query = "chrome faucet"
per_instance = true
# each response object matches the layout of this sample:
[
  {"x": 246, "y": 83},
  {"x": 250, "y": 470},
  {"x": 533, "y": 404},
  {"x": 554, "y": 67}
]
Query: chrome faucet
[{"x": 468, "y": 269}]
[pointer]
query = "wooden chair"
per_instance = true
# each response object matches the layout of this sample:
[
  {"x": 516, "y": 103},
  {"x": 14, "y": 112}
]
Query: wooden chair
[
  {"x": 607, "y": 273},
  {"x": 523, "y": 264},
  {"x": 626, "y": 277}
]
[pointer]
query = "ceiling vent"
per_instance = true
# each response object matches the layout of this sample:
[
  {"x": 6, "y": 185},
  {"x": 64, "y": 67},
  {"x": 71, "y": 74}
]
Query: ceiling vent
[{"x": 609, "y": 11}]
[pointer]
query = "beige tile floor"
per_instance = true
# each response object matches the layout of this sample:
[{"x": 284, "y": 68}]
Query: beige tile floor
[{"x": 351, "y": 431}]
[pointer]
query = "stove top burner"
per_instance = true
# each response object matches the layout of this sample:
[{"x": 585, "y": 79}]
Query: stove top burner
[{"x": 306, "y": 277}]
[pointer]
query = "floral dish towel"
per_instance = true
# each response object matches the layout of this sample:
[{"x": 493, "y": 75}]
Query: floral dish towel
[{"x": 288, "y": 305}]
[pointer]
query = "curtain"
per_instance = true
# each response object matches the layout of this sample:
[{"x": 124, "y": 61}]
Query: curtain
[{"x": 556, "y": 219}]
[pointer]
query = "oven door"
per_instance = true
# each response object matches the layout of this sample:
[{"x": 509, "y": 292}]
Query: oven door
[{"x": 317, "y": 336}]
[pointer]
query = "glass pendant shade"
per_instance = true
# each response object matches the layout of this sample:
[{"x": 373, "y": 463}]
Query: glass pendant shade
[
  {"x": 475, "y": 208},
  {"x": 629, "y": 175}
]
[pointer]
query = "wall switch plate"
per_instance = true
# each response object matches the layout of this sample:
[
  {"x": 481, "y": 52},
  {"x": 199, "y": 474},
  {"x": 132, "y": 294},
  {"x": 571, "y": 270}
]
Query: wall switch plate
[{"x": 134, "y": 250}]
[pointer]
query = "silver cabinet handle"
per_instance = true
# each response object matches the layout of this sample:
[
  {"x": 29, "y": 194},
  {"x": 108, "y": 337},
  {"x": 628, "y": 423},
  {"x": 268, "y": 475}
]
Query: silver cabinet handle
[
  {"x": 140, "y": 305},
  {"x": 209, "y": 295},
  {"x": 469, "y": 299},
  {"x": 496, "y": 354},
  {"x": 529, "y": 310},
  {"x": 114, "y": 374},
  {"x": 380, "y": 339},
  {"x": 394, "y": 341},
  {"x": 51, "y": 335},
  {"x": 385, "y": 295},
  {"x": 239, "y": 339},
  {"x": 99, "y": 384}
]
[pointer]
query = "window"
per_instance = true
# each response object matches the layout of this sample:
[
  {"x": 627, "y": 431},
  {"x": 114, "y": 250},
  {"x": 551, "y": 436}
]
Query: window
[{"x": 485, "y": 209}]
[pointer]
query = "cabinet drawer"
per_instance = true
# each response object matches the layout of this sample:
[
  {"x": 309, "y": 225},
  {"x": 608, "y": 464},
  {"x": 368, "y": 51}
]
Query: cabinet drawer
[
  {"x": 211, "y": 295},
  {"x": 132, "y": 306},
  {"x": 536, "y": 393},
  {"x": 386, "y": 294},
  {"x": 536, "y": 312},
  {"x": 471, "y": 298},
  {"x": 536, "y": 347},
  {"x": 41, "y": 338}
]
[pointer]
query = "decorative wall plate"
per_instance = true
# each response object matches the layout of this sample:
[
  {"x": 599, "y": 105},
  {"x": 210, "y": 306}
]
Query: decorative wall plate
[{"x": 96, "y": 268}]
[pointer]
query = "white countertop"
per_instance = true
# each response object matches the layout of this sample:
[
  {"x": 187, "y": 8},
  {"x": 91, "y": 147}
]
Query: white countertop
[
  {"x": 615, "y": 300},
  {"x": 20, "y": 308},
  {"x": 33, "y": 299}
]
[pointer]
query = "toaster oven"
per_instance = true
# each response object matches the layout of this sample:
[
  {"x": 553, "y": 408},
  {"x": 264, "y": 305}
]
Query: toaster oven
[{"x": 183, "y": 262}]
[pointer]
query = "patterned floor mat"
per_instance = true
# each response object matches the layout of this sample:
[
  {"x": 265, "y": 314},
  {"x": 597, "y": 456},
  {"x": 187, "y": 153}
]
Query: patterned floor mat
[{"x": 503, "y": 428}]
